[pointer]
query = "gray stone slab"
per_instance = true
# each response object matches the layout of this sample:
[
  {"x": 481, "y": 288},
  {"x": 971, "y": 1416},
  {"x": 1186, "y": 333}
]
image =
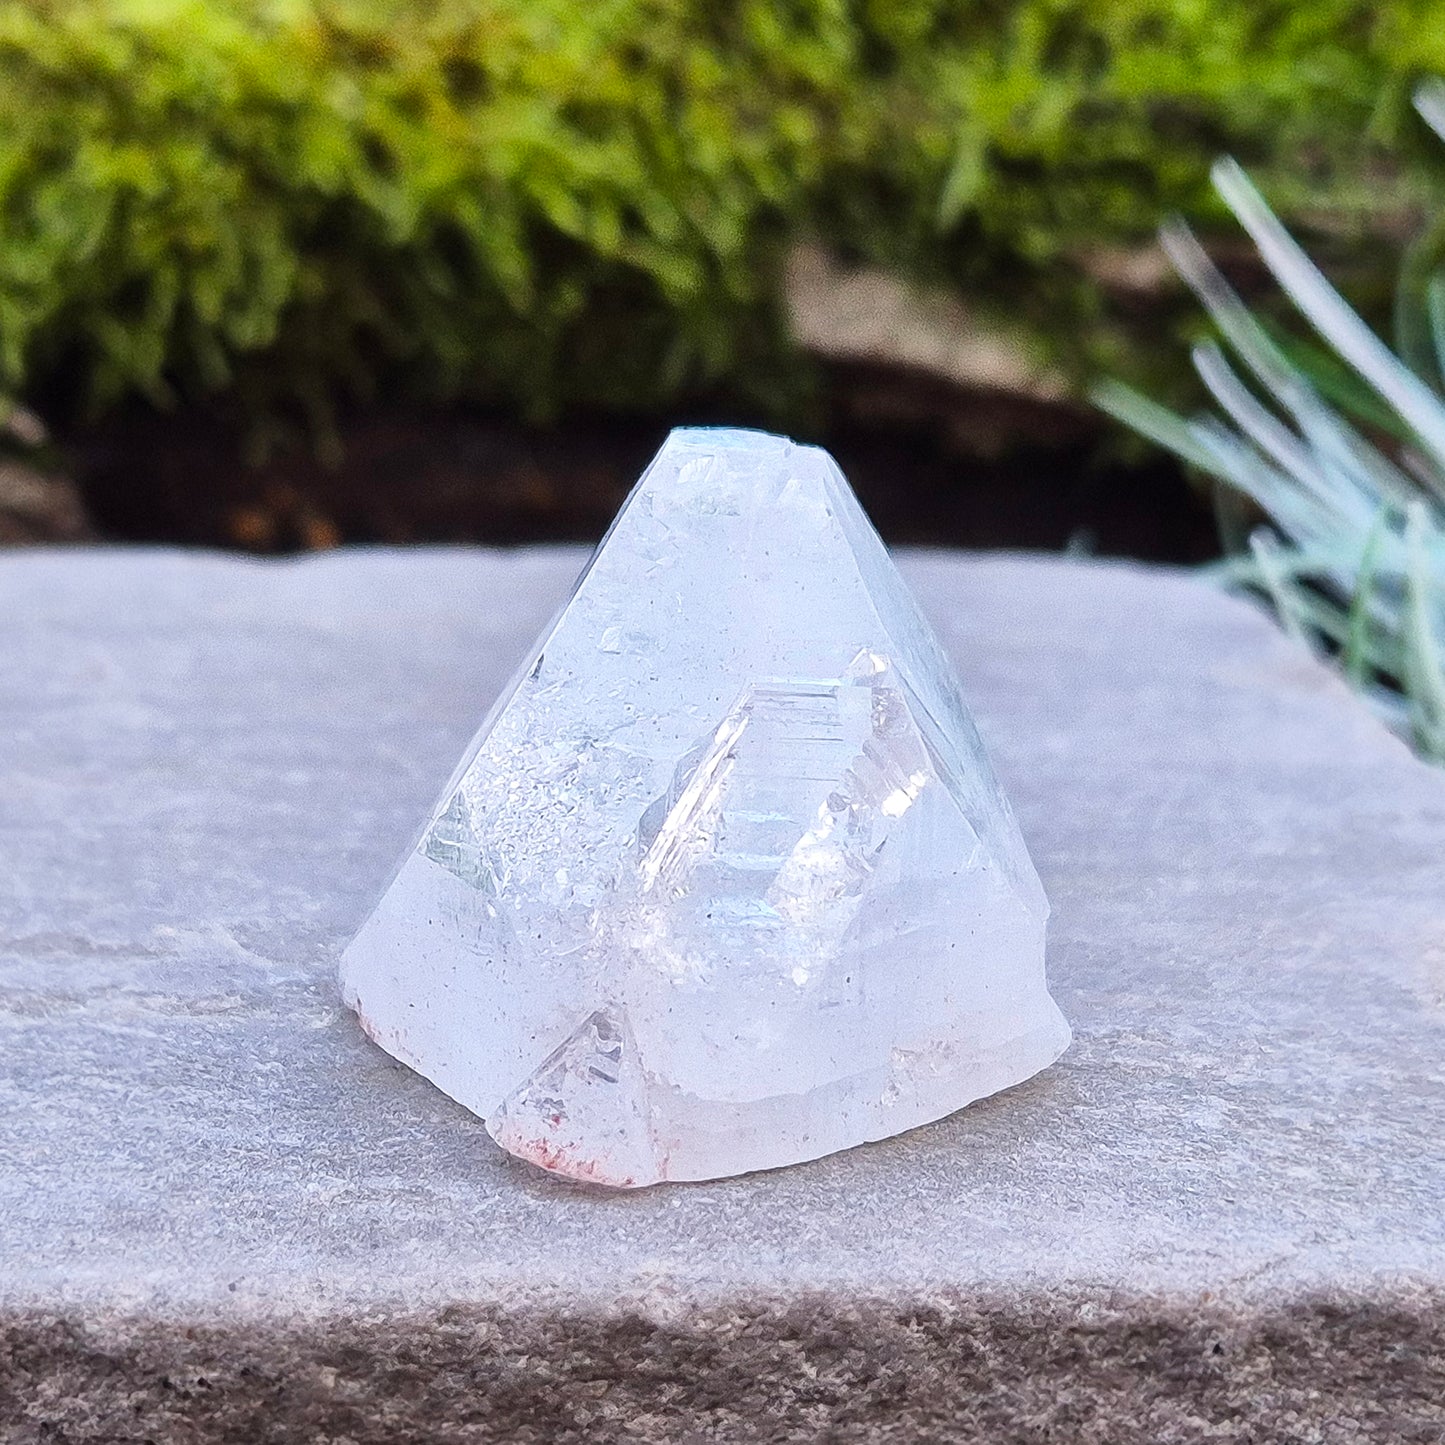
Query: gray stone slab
[{"x": 224, "y": 1214}]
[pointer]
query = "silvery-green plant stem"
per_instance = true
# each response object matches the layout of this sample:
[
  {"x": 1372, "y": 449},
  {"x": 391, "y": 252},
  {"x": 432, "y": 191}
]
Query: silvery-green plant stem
[
  {"x": 1354, "y": 655},
  {"x": 1426, "y": 676}
]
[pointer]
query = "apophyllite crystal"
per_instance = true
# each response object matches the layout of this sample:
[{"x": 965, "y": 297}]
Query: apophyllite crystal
[{"x": 724, "y": 881}]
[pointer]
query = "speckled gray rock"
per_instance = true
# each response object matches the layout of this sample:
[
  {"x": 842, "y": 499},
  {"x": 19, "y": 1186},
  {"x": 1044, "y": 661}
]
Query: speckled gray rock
[{"x": 225, "y": 1215}]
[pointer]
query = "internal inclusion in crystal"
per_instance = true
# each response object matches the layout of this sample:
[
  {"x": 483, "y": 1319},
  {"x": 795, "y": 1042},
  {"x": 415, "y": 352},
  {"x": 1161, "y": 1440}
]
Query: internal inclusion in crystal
[
  {"x": 774, "y": 826},
  {"x": 702, "y": 902}
]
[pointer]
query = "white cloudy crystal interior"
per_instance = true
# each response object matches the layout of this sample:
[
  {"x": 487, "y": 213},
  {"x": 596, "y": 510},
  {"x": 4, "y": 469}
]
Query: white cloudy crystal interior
[{"x": 725, "y": 881}]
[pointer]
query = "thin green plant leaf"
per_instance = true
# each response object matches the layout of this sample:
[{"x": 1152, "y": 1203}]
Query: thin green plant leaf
[
  {"x": 1336, "y": 383},
  {"x": 1435, "y": 310},
  {"x": 1260, "y": 425},
  {"x": 1414, "y": 338},
  {"x": 1354, "y": 655},
  {"x": 1157, "y": 423},
  {"x": 1285, "y": 598},
  {"x": 1426, "y": 676},
  {"x": 1322, "y": 306},
  {"x": 1239, "y": 326}
]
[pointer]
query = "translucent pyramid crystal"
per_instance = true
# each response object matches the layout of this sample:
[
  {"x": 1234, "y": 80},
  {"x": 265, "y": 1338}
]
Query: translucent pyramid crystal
[{"x": 725, "y": 881}]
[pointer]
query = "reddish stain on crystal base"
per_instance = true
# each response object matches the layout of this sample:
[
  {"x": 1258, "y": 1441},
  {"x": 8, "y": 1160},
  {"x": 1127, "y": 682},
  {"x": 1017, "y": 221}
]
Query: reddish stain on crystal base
[{"x": 558, "y": 1159}]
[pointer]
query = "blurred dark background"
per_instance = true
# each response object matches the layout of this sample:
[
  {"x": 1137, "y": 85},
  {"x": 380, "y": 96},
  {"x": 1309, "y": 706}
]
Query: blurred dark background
[{"x": 281, "y": 276}]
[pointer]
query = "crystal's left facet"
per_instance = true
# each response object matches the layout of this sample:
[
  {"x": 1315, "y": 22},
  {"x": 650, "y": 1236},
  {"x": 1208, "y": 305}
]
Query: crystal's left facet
[{"x": 727, "y": 882}]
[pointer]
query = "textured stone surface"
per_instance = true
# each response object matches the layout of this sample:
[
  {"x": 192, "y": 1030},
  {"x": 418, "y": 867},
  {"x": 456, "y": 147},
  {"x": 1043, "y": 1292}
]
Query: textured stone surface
[
  {"x": 224, "y": 1214},
  {"x": 725, "y": 880}
]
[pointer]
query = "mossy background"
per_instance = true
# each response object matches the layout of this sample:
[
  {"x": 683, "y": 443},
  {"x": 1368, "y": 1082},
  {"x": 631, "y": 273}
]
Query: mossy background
[{"x": 540, "y": 205}]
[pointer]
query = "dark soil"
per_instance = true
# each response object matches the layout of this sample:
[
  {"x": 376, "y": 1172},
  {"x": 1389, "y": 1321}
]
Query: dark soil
[{"x": 930, "y": 466}]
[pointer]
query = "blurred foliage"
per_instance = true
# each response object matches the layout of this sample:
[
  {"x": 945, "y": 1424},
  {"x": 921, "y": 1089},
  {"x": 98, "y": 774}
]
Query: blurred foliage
[
  {"x": 541, "y": 203},
  {"x": 1339, "y": 443}
]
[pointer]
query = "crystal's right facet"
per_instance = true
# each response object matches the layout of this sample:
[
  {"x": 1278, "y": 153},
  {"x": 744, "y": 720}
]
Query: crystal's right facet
[{"x": 726, "y": 881}]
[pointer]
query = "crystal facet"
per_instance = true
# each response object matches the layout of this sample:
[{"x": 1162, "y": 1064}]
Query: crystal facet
[{"x": 725, "y": 881}]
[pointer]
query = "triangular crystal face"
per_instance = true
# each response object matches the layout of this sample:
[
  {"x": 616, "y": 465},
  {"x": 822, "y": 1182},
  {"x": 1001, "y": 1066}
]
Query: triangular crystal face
[
  {"x": 725, "y": 881},
  {"x": 584, "y": 1112}
]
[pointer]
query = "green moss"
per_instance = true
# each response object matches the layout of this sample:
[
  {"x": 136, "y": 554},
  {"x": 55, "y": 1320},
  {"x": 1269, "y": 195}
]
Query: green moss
[{"x": 541, "y": 203}]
